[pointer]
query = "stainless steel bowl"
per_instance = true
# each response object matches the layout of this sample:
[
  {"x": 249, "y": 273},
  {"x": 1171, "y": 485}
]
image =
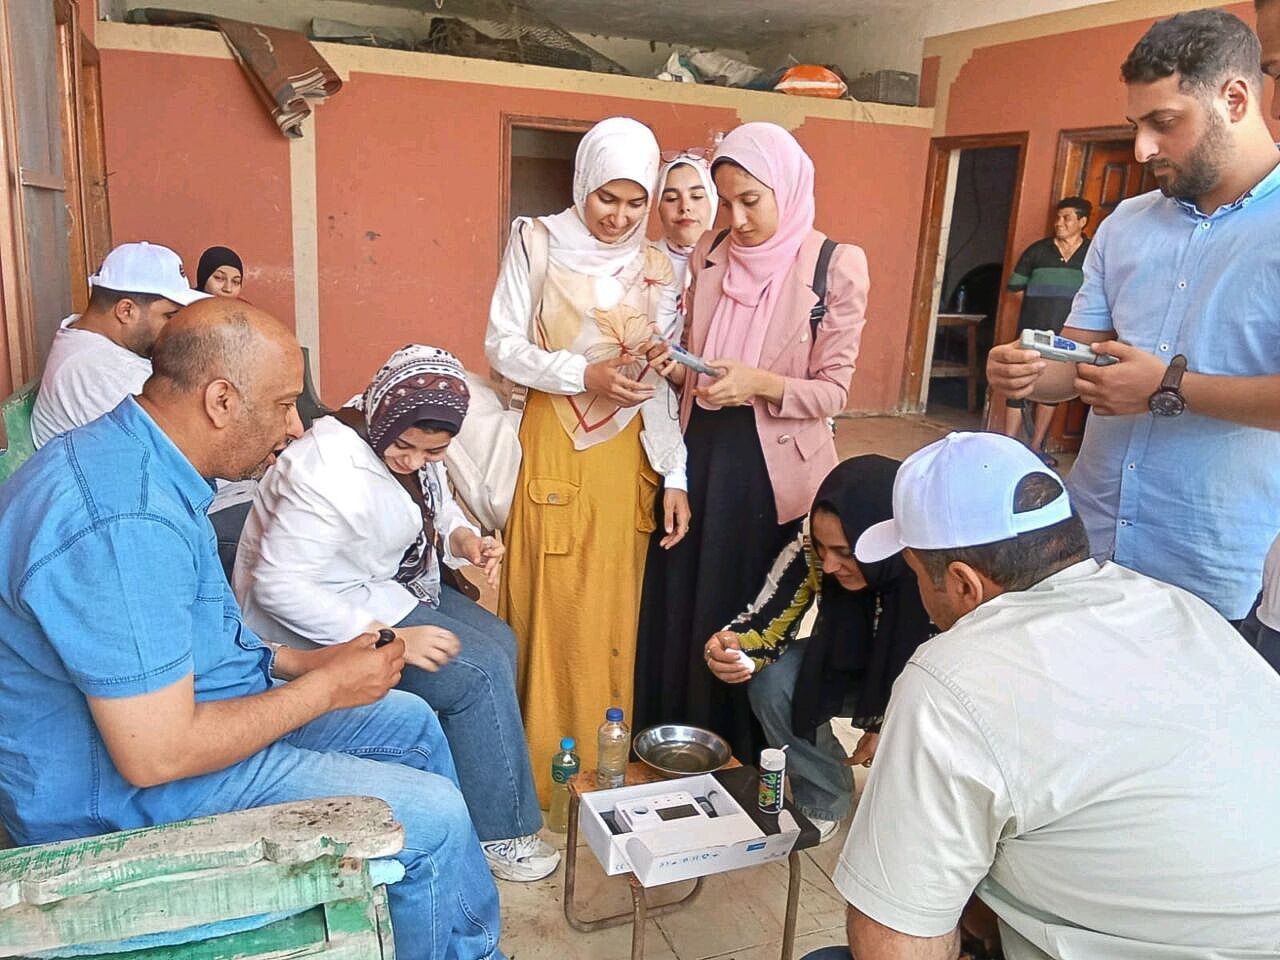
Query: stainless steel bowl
[{"x": 681, "y": 750}]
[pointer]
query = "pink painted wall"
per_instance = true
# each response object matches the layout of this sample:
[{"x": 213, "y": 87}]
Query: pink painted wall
[
  {"x": 194, "y": 161},
  {"x": 408, "y": 191}
]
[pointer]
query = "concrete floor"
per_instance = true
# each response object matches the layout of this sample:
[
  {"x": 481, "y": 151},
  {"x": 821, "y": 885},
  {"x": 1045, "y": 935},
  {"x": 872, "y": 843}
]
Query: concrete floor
[{"x": 739, "y": 915}]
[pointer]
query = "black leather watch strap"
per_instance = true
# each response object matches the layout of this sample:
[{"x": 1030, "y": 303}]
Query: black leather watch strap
[{"x": 1173, "y": 376}]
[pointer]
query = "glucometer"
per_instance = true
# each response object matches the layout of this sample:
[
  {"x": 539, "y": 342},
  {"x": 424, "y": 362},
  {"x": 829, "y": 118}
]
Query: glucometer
[
  {"x": 1053, "y": 346},
  {"x": 683, "y": 357},
  {"x": 648, "y": 813}
]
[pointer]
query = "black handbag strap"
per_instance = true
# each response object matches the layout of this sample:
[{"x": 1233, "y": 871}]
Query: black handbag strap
[
  {"x": 715, "y": 243},
  {"x": 820, "y": 271}
]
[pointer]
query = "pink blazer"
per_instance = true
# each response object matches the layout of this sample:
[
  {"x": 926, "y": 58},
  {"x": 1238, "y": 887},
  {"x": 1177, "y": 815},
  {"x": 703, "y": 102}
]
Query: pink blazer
[{"x": 797, "y": 443}]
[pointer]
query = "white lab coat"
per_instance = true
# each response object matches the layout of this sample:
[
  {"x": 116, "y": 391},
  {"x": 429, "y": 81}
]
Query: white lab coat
[{"x": 329, "y": 525}]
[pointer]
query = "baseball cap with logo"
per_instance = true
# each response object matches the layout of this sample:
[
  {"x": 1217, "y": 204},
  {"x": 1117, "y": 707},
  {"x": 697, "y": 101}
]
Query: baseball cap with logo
[
  {"x": 959, "y": 492},
  {"x": 146, "y": 268}
]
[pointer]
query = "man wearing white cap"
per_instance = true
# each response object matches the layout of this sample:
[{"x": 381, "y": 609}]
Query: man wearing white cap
[
  {"x": 101, "y": 356},
  {"x": 1089, "y": 751}
]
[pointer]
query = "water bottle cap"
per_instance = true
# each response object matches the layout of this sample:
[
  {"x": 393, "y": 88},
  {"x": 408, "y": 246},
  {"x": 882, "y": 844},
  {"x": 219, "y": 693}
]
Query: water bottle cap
[
  {"x": 568, "y": 743},
  {"x": 613, "y": 714}
]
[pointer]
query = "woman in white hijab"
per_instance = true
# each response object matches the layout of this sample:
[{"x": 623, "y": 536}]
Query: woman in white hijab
[
  {"x": 578, "y": 300},
  {"x": 687, "y": 203}
]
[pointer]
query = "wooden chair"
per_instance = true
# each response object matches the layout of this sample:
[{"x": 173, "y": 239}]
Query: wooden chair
[
  {"x": 17, "y": 444},
  {"x": 287, "y": 880}
]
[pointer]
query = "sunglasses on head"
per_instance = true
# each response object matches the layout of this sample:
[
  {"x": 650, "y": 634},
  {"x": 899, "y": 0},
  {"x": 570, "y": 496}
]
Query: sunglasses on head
[{"x": 689, "y": 153}]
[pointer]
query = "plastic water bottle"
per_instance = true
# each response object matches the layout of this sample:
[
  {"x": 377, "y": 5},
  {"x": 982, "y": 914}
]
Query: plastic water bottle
[
  {"x": 564, "y": 766},
  {"x": 613, "y": 746}
]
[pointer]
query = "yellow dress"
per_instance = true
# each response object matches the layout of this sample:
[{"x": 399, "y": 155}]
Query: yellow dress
[{"x": 576, "y": 541}]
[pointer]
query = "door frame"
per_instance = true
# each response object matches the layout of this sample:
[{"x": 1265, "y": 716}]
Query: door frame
[
  {"x": 1069, "y": 164},
  {"x": 530, "y": 122},
  {"x": 926, "y": 288}
]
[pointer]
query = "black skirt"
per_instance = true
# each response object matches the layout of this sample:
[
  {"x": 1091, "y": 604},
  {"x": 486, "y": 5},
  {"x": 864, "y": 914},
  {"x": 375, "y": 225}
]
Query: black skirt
[{"x": 697, "y": 587}]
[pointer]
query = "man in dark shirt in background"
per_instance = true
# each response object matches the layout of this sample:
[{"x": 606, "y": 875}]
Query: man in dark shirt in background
[{"x": 1048, "y": 274}]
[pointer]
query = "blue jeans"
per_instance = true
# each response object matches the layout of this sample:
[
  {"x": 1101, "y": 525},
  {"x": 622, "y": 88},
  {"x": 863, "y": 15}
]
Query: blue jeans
[
  {"x": 446, "y": 907},
  {"x": 475, "y": 695},
  {"x": 821, "y": 784},
  {"x": 827, "y": 953}
]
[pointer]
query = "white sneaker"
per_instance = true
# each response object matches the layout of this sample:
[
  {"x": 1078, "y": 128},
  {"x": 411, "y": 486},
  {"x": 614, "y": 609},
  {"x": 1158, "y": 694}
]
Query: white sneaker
[
  {"x": 826, "y": 828},
  {"x": 522, "y": 859}
]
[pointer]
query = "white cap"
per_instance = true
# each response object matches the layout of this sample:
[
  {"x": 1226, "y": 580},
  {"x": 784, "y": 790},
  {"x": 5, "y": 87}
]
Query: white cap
[
  {"x": 958, "y": 492},
  {"x": 146, "y": 268}
]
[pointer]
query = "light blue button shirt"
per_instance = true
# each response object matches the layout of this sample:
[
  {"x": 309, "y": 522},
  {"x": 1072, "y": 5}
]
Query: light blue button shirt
[{"x": 1189, "y": 500}]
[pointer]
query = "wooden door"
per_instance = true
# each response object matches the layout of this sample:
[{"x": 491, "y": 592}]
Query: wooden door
[{"x": 1099, "y": 166}]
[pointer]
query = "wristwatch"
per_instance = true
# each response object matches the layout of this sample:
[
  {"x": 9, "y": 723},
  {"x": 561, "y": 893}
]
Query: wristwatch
[{"x": 1168, "y": 400}]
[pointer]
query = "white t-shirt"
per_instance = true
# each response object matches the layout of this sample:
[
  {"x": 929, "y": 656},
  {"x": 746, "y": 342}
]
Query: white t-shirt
[
  {"x": 85, "y": 376},
  {"x": 1099, "y": 757},
  {"x": 1269, "y": 609}
]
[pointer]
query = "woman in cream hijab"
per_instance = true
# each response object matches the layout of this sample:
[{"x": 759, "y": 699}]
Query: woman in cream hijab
[
  {"x": 687, "y": 202},
  {"x": 599, "y": 429}
]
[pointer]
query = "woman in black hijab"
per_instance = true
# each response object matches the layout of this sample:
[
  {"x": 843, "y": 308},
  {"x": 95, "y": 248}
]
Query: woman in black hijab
[
  {"x": 870, "y": 621},
  {"x": 220, "y": 272}
]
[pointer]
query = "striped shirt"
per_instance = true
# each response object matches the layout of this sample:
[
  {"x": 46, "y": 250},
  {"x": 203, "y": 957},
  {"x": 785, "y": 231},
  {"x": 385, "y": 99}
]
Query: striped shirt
[{"x": 1048, "y": 283}]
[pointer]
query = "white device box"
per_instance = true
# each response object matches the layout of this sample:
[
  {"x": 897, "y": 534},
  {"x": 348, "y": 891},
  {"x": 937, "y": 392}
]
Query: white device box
[{"x": 686, "y": 847}]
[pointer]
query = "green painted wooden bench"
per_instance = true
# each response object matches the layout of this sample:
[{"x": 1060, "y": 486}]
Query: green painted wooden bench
[
  {"x": 16, "y": 442},
  {"x": 298, "y": 874}
]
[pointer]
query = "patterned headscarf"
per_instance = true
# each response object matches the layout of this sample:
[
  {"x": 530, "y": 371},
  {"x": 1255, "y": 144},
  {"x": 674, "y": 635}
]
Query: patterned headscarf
[{"x": 416, "y": 383}]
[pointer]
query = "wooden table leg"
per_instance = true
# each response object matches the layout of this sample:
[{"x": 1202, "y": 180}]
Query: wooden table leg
[
  {"x": 639, "y": 914},
  {"x": 793, "y": 903},
  {"x": 972, "y": 338},
  {"x": 571, "y": 861}
]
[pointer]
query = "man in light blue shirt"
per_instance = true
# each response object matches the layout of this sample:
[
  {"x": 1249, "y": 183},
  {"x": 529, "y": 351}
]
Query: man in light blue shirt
[
  {"x": 1179, "y": 472},
  {"x": 131, "y": 692}
]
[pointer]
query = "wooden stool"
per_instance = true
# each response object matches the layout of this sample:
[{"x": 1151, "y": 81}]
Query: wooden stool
[
  {"x": 968, "y": 369},
  {"x": 741, "y": 783}
]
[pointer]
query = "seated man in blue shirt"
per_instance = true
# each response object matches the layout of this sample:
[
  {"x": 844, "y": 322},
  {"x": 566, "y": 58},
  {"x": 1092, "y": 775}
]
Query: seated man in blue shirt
[
  {"x": 1177, "y": 475},
  {"x": 130, "y": 691}
]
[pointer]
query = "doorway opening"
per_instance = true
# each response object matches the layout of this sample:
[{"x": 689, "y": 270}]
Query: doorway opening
[
  {"x": 538, "y": 154},
  {"x": 972, "y": 191}
]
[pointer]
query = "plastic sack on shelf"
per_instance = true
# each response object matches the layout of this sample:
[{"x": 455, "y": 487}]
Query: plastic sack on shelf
[
  {"x": 722, "y": 70},
  {"x": 679, "y": 68}
]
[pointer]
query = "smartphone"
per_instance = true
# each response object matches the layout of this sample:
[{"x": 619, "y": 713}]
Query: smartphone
[
  {"x": 385, "y": 636},
  {"x": 683, "y": 357},
  {"x": 1052, "y": 346}
]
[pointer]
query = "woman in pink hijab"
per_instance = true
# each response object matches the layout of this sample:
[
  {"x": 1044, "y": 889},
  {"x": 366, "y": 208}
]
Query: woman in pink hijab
[{"x": 758, "y": 435}]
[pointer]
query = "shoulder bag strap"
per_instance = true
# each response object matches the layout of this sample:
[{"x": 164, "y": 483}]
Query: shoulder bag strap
[
  {"x": 538, "y": 240},
  {"x": 820, "y": 271},
  {"x": 720, "y": 237}
]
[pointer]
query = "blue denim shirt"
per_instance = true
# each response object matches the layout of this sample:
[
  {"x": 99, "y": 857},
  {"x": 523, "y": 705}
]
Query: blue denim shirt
[
  {"x": 1189, "y": 500},
  {"x": 110, "y": 586}
]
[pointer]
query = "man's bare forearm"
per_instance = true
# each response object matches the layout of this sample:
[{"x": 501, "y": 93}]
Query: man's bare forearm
[
  {"x": 1249, "y": 401},
  {"x": 870, "y": 940},
  {"x": 175, "y": 737},
  {"x": 224, "y": 732}
]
